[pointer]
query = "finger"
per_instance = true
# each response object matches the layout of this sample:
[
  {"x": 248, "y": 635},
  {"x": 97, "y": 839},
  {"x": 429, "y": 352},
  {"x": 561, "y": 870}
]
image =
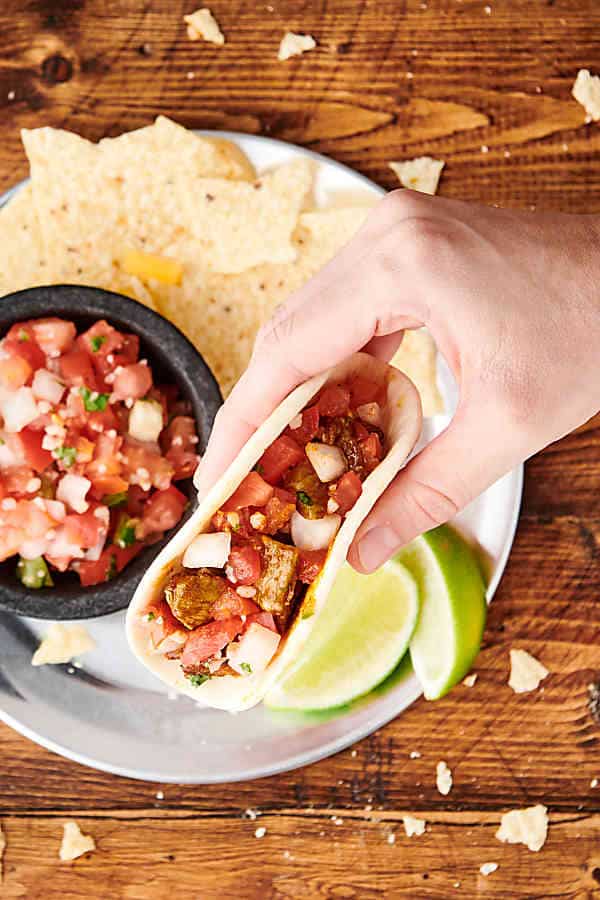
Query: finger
[
  {"x": 338, "y": 312},
  {"x": 432, "y": 488},
  {"x": 384, "y": 347}
]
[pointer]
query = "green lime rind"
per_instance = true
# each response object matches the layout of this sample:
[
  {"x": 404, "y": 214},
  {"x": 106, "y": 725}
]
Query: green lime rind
[
  {"x": 453, "y": 610},
  {"x": 358, "y": 640}
]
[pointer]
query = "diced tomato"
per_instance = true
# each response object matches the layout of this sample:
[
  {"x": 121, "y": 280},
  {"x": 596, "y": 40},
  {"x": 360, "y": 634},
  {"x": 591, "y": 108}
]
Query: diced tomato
[
  {"x": 104, "y": 485},
  {"x": 347, "y": 491},
  {"x": 105, "y": 462},
  {"x": 54, "y": 336},
  {"x": 207, "y": 640},
  {"x": 231, "y": 604},
  {"x": 363, "y": 390},
  {"x": 334, "y": 401},
  {"x": 35, "y": 456},
  {"x": 360, "y": 432},
  {"x": 76, "y": 369},
  {"x": 309, "y": 427},
  {"x": 25, "y": 523},
  {"x": 160, "y": 395},
  {"x": 245, "y": 563},
  {"x": 132, "y": 382},
  {"x": 253, "y": 491},
  {"x": 163, "y": 510},
  {"x": 139, "y": 459},
  {"x": 279, "y": 511},
  {"x": 101, "y": 421},
  {"x": 129, "y": 351},
  {"x": 283, "y": 453},
  {"x": 26, "y": 349},
  {"x": 100, "y": 340},
  {"x": 261, "y": 618},
  {"x": 371, "y": 449},
  {"x": 164, "y": 629},
  {"x": 179, "y": 441},
  {"x": 15, "y": 371},
  {"x": 124, "y": 555},
  {"x": 310, "y": 564},
  {"x": 100, "y": 570},
  {"x": 136, "y": 499},
  {"x": 17, "y": 479},
  {"x": 83, "y": 529}
]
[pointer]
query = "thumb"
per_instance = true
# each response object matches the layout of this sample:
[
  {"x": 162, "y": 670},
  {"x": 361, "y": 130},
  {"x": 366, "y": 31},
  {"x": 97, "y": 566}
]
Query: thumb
[{"x": 445, "y": 476}]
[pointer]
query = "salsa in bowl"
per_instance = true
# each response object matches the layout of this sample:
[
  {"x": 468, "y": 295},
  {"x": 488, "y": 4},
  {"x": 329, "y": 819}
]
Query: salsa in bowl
[{"x": 104, "y": 410}]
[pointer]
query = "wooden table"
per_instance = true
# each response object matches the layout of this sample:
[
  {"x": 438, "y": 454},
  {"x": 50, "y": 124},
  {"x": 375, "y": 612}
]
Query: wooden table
[{"x": 488, "y": 90}]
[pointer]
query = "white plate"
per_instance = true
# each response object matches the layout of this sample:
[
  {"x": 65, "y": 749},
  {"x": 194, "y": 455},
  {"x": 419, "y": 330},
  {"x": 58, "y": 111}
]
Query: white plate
[{"x": 113, "y": 715}]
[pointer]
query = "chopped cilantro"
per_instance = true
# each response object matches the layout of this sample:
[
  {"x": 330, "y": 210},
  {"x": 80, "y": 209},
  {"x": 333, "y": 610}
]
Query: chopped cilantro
[
  {"x": 304, "y": 498},
  {"x": 246, "y": 667},
  {"x": 93, "y": 401},
  {"x": 150, "y": 616},
  {"x": 67, "y": 455},
  {"x": 125, "y": 533},
  {"x": 197, "y": 680},
  {"x": 2, "y": 442},
  {"x": 97, "y": 342},
  {"x": 112, "y": 567},
  {"x": 23, "y": 336},
  {"x": 115, "y": 499},
  {"x": 258, "y": 468}
]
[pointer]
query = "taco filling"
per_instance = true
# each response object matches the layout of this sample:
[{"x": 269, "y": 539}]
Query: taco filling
[{"x": 226, "y": 604}]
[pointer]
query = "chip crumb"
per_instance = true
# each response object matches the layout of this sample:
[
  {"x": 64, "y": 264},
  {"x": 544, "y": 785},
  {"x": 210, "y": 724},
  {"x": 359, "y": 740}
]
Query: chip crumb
[
  {"x": 488, "y": 868},
  {"x": 260, "y": 832},
  {"x": 61, "y": 644},
  {"x": 74, "y": 842},
  {"x": 202, "y": 24},
  {"x": 354, "y": 754},
  {"x": 470, "y": 680},
  {"x": 337, "y": 820},
  {"x": 294, "y": 45},
  {"x": 287, "y": 855},
  {"x": 443, "y": 778},
  {"x": 414, "y": 754},
  {"x": 11, "y": 96},
  {"x": 2, "y": 849},
  {"x": 594, "y": 783},
  {"x": 391, "y": 838},
  {"x": 413, "y": 826},
  {"x": 527, "y": 826},
  {"x": 586, "y": 91},
  {"x": 251, "y": 814},
  {"x": 457, "y": 884},
  {"x": 484, "y": 148},
  {"x": 160, "y": 795},
  {"x": 487, "y": 10},
  {"x": 419, "y": 174},
  {"x": 526, "y": 672}
]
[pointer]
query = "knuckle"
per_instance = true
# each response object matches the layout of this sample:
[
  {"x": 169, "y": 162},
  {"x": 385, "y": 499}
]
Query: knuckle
[{"x": 430, "y": 505}]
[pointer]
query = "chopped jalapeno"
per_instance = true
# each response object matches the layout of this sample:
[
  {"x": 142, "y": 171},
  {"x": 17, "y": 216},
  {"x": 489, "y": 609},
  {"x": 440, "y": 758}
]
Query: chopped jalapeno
[
  {"x": 93, "y": 401},
  {"x": 115, "y": 499},
  {"x": 33, "y": 573},
  {"x": 125, "y": 532},
  {"x": 197, "y": 680}
]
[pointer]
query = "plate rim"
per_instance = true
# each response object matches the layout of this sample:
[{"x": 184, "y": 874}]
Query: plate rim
[{"x": 386, "y": 715}]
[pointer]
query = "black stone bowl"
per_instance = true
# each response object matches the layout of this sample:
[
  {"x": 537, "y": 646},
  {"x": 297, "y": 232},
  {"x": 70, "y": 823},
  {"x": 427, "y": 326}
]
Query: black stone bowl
[{"x": 174, "y": 360}]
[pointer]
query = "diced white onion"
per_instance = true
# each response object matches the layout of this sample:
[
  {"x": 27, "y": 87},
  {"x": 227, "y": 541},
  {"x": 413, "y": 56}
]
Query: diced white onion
[
  {"x": 171, "y": 642},
  {"x": 61, "y": 548},
  {"x": 370, "y": 413},
  {"x": 72, "y": 490},
  {"x": 314, "y": 534},
  {"x": 296, "y": 422},
  {"x": 327, "y": 461},
  {"x": 18, "y": 408},
  {"x": 11, "y": 451},
  {"x": 211, "y": 550},
  {"x": 34, "y": 548},
  {"x": 146, "y": 420},
  {"x": 254, "y": 650},
  {"x": 46, "y": 386},
  {"x": 54, "y": 508}
]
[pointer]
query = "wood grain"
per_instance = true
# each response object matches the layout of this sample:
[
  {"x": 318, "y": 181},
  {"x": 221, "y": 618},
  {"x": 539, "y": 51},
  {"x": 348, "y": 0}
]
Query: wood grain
[{"x": 490, "y": 94}]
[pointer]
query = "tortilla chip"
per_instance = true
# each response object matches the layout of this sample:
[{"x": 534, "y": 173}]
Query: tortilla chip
[
  {"x": 202, "y": 24},
  {"x": 586, "y": 91},
  {"x": 221, "y": 314},
  {"x": 420, "y": 174},
  {"x": 22, "y": 261},
  {"x": 416, "y": 357},
  {"x": 294, "y": 45},
  {"x": 96, "y": 201}
]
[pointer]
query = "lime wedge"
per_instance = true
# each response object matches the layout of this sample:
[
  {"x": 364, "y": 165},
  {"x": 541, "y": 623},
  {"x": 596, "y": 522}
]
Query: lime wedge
[
  {"x": 359, "y": 637},
  {"x": 453, "y": 609}
]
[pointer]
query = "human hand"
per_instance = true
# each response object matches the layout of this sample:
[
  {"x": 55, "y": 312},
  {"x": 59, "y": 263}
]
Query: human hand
[{"x": 512, "y": 301}]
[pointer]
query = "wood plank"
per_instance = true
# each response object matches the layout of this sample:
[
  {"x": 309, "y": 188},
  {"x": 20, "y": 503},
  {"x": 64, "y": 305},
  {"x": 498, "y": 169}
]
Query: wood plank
[{"x": 308, "y": 857}]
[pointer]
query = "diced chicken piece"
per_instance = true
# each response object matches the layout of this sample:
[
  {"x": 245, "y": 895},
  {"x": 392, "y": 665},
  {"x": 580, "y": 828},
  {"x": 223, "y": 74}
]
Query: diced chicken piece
[
  {"x": 275, "y": 587},
  {"x": 190, "y": 596}
]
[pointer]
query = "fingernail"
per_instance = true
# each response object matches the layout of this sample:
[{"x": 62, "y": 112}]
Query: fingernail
[{"x": 376, "y": 547}]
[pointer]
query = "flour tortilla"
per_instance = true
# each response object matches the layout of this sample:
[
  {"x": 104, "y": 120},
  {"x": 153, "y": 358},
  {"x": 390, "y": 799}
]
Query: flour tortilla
[{"x": 402, "y": 426}]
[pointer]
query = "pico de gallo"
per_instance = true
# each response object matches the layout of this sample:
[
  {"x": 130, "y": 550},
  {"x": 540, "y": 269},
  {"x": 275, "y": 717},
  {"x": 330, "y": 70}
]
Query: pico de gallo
[
  {"x": 90, "y": 449},
  {"x": 232, "y": 596}
]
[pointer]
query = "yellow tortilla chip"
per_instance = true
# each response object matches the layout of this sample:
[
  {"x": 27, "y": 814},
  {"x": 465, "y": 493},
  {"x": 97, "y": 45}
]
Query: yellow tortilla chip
[
  {"x": 416, "y": 357},
  {"x": 22, "y": 261}
]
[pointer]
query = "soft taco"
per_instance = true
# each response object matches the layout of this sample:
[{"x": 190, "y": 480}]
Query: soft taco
[{"x": 236, "y": 593}]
